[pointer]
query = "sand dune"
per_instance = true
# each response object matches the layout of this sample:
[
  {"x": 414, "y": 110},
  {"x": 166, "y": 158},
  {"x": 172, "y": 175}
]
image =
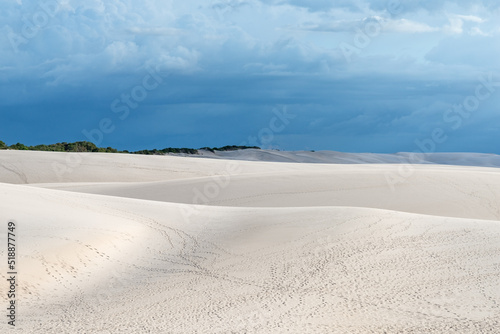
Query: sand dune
[
  {"x": 465, "y": 192},
  {"x": 55, "y": 167},
  {"x": 329, "y": 157},
  {"x": 282, "y": 248},
  {"x": 44, "y": 167}
]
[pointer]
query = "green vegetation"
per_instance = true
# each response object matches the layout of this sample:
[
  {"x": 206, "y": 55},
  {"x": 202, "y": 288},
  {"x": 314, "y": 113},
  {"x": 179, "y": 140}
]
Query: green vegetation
[
  {"x": 194, "y": 151},
  {"x": 18, "y": 146},
  {"x": 81, "y": 146},
  {"x": 229, "y": 148},
  {"x": 168, "y": 150},
  {"x": 85, "y": 146}
]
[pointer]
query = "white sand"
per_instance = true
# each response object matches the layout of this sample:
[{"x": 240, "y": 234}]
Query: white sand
[{"x": 280, "y": 247}]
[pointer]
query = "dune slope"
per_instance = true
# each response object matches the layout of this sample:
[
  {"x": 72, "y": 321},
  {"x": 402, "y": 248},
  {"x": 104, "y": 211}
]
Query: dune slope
[
  {"x": 464, "y": 192},
  {"x": 127, "y": 265},
  {"x": 299, "y": 248}
]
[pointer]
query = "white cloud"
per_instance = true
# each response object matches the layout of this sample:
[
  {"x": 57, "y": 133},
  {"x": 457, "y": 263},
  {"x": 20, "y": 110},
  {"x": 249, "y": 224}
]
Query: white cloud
[
  {"x": 455, "y": 26},
  {"x": 456, "y": 23},
  {"x": 407, "y": 26},
  {"x": 155, "y": 31},
  {"x": 476, "y": 31},
  {"x": 470, "y": 18},
  {"x": 95, "y": 38}
]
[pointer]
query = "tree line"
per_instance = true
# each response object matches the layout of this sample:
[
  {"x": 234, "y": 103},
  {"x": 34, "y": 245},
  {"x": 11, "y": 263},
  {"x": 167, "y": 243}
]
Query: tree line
[{"x": 85, "y": 146}]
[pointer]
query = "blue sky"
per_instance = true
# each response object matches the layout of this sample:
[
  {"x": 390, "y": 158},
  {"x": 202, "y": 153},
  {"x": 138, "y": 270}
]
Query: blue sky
[{"x": 359, "y": 76}]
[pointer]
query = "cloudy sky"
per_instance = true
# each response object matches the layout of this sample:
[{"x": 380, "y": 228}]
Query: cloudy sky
[{"x": 359, "y": 76}]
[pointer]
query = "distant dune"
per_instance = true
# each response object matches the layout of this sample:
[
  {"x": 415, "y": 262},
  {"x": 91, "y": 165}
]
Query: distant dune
[
  {"x": 329, "y": 157},
  {"x": 326, "y": 243}
]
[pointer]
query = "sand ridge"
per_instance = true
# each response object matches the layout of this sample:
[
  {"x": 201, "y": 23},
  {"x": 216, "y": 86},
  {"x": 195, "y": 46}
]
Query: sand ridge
[{"x": 269, "y": 254}]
